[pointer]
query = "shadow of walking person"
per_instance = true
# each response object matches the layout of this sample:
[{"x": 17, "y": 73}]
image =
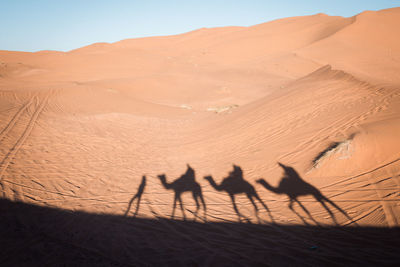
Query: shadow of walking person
[
  {"x": 235, "y": 184},
  {"x": 137, "y": 196},
  {"x": 185, "y": 183},
  {"x": 294, "y": 186}
]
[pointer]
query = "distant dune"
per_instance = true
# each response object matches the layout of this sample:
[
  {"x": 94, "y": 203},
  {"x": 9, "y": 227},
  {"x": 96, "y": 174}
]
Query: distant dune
[{"x": 318, "y": 94}]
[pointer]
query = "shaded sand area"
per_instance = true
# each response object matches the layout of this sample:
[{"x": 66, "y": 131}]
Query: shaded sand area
[
  {"x": 275, "y": 144},
  {"x": 49, "y": 237}
]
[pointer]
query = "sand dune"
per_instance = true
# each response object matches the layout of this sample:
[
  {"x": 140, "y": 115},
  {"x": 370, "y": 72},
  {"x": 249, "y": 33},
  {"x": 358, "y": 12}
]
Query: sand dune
[{"x": 318, "y": 94}]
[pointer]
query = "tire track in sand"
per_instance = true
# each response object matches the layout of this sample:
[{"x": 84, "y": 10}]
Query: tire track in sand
[
  {"x": 21, "y": 140},
  {"x": 15, "y": 118}
]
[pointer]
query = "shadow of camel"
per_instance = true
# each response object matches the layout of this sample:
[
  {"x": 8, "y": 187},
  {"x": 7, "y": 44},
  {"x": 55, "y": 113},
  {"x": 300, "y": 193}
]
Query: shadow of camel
[
  {"x": 294, "y": 186},
  {"x": 185, "y": 183},
  {"x": 137, "y": 196},
  {"x": 235, "y": 184}
]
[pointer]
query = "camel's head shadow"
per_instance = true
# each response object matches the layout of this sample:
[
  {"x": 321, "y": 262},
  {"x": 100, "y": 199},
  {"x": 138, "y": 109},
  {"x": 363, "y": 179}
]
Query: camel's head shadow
[
  {"x": 162, "y": 176},
  {"x": 208, "y": 177},
  {"x": 259, "y": 181}
]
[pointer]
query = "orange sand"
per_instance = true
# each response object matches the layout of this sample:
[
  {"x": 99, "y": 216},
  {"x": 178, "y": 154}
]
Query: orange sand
[{"x": 79, "y": 129}]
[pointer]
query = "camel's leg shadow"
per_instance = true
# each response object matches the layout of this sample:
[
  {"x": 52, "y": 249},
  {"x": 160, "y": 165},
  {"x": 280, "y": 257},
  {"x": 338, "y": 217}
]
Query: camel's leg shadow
[
  {"x": 181, "y": 206},
  {"x": 196, "y": 197},
  {"x": 324, "y": 199},
  {"x": 174, "y": 207},
  {"x": 295, "y": 212},
  {"x": 240, "y": 216},
  {"x": 264, "y": 205},
  {"x": 306, "y": 211}
]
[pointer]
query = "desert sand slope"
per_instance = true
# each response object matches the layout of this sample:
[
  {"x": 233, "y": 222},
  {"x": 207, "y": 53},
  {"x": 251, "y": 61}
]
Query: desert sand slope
[
  {"x": 368, "y": 48},
  {"x": 317, "y": 94}
]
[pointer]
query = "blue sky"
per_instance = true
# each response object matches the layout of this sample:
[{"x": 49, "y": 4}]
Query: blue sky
[{"x": 33, "y": 25}]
